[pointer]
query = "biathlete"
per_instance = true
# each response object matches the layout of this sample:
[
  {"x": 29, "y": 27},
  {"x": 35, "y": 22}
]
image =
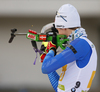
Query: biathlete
[{"x": 78, "y": 61}]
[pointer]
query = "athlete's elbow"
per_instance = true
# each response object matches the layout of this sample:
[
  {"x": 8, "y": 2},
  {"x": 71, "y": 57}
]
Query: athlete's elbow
[{"x": 45, "y": 71}]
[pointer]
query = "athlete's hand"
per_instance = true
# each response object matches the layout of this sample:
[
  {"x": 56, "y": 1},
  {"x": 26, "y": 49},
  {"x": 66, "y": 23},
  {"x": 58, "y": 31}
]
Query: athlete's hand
[
  {"x": 42, "y": 57},
  {"x": 43, "y": 48}
]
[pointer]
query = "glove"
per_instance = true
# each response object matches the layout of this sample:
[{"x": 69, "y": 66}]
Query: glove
[
  {"x": 43, "y": 47},
  {"x": 52, "y": 45},
  {"x": 42, "y": 57}
]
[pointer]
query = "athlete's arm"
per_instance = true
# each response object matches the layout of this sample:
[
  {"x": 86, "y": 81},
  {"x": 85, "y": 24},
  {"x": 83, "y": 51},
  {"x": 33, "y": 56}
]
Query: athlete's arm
[
  {"x": 54, "y": 77},
  {"x": 52, "y": 63}
]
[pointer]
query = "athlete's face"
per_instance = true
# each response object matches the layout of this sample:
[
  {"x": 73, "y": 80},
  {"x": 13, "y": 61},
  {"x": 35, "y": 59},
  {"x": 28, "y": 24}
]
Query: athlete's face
[
  {"x": 61, "y": 31},
  {"x": 64, "y": 31}
]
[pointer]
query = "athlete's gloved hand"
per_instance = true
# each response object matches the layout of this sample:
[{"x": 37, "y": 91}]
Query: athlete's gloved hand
[
  {"x": 52, "y": 44},
  {"x": 42, "y": 57},
  {"x": 43, "y": 48}
]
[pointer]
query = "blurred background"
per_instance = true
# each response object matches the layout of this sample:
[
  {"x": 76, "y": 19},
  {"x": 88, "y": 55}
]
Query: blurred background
[{"x": 17, "y": 72}]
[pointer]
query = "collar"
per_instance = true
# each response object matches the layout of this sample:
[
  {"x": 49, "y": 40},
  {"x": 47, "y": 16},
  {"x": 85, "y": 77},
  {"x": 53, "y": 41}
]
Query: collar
[{"x": 79, "y": 32}]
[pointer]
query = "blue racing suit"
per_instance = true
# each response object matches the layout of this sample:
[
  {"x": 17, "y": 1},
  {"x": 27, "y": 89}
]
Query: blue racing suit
[{"x": 79, "y": 50}]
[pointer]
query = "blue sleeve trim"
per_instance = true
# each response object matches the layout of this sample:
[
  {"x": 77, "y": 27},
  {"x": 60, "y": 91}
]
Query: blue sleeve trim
[
  {"x": 54, "y": 78},
  {"x": 51, "y": 53}
]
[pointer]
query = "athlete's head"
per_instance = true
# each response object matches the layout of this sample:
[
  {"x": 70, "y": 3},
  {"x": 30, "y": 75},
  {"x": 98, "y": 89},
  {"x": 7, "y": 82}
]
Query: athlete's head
[{"x": 67, "y": 17}]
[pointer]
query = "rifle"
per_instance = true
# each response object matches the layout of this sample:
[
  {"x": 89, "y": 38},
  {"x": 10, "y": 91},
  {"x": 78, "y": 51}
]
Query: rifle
[{"x": 42, "y": 37}]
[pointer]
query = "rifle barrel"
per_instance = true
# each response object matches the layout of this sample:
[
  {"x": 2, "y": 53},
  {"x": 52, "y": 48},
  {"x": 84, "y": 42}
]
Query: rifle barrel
[{"x": 20, "y": 34}]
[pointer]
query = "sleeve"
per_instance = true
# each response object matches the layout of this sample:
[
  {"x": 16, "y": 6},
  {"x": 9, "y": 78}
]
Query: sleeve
[
  {"x": 52, "y": 63},
  {"x": 54, "y": 77},
  {"x": 84, "y": 52}
]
